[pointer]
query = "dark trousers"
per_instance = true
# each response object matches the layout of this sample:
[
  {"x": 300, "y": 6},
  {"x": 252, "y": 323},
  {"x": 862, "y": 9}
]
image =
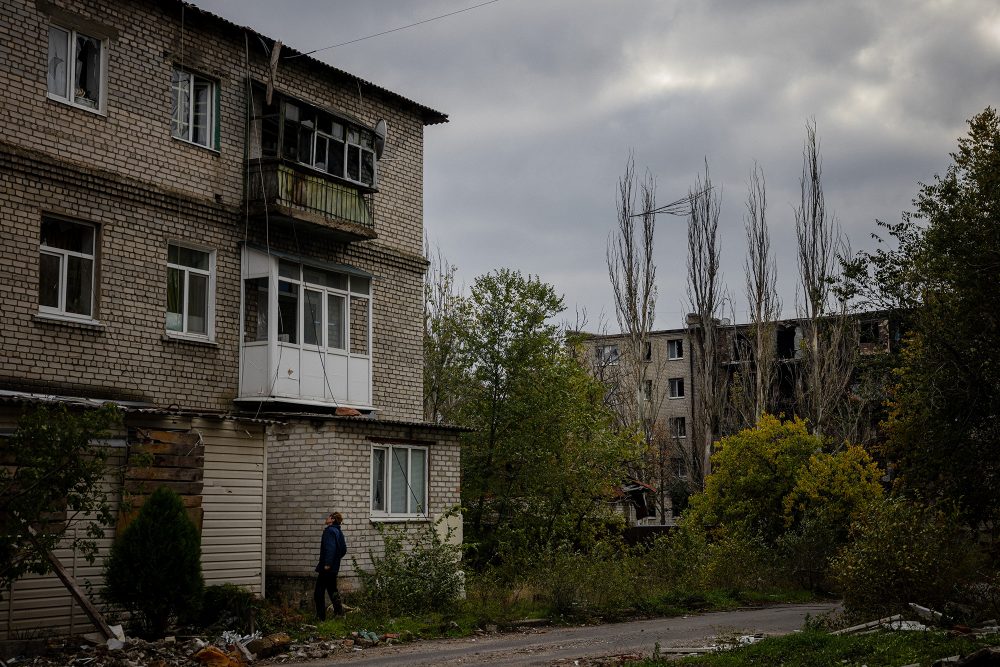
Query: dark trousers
[{"x": 326, "y": 584}]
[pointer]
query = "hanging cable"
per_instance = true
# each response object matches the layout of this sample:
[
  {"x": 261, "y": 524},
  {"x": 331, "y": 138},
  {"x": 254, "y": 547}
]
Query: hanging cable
[{"x": 386, "y": 32}]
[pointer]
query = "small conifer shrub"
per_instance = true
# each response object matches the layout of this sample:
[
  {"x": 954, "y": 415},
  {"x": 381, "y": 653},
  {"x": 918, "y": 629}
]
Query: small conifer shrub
[{"x": 154, "y": 570}]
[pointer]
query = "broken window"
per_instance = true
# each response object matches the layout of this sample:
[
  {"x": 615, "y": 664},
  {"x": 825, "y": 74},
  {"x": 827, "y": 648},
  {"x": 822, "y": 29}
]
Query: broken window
[
  {"x": 66, "y": 268},
  {"x": 870, "y": 332},
  {"x": 399, "y": 480},
  {"x": 75, "y": 67},
  {"x": 647, "y": 351},
  {"x": 301, "y": 133},
  {"x": 676, "y": 387},
  {"x": 189, "y": 290},
  {"x": 607, "y": 354},
  {"x": 675, "y": 349},
  {"x": 193, "y": 113}
]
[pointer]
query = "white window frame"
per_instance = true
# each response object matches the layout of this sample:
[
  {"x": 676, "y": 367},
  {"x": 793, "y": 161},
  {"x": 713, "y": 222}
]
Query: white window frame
[
  {"x": 674, "y": 431},
  {"x": 386, "y": 512},
  {"x": 68, "y": 96},
  {"x": 213, "y": 92},
  {"x": 63, "y": 255},
  {"x": 676, "y": 388},
  {"x": 348, "y": 294},
  {"x": 672, "y": 348},
  {"x": 209, "y": 297},
  {"x": 647, "y": 390}
]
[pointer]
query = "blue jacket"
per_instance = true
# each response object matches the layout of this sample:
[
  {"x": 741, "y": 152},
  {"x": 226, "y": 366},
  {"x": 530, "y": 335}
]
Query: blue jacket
[{"x": 332, "y": 548}]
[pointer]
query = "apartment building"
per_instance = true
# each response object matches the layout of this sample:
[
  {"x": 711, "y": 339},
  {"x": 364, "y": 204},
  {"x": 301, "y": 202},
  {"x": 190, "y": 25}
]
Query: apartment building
[{"x": 223, "y": 236}]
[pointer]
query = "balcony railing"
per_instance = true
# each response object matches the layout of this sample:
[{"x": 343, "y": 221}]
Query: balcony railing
[{"x": 287, "y": 189}]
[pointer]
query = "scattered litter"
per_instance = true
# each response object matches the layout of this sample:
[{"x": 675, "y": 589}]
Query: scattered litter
[
  {"x": 869, "y": 625},
  {"x": 926, "y": 614}
]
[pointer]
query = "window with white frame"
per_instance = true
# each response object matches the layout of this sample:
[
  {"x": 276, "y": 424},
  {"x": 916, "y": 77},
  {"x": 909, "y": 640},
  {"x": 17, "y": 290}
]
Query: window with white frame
[
  {"x": 678, "y": 427},
  {"x": 647, "y": 390},
  {"x": 675, "y": 349},
  {"x": 76, "y": 68},
  {"x": 66, "y": 268},
  {"x": 334, "y": 308},
  {"x": 190, "y": 277},
  {"x": 193, "y": 108},
  {"x": 399, "y": 481},
  {"x": 676, "y": 388},
  {"x": 607, "y": 354}
]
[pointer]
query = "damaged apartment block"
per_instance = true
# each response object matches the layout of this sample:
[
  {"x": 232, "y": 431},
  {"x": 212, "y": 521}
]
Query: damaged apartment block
[{"x": 224, "y": 236}]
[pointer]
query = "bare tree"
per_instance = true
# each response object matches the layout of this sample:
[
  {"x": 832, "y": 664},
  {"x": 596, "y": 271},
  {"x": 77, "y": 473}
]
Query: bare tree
[
  {"x": 631, "y": 374},
  {"x": 828, "y": 348},
  {"x": 442, "y": 372},
  {"x": 706, "y": 300},
  {"x": 757, "y": 352}
]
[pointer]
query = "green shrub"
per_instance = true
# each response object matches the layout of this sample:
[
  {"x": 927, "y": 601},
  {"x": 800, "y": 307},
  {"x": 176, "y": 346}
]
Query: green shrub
[
  {"x": 901, "y": 551},
  {"x": 740, "y": 561},
  {"x": 154, "y": 570},
  {"x": 677, "y": 560},
  {"x": 419, "y": 571}
]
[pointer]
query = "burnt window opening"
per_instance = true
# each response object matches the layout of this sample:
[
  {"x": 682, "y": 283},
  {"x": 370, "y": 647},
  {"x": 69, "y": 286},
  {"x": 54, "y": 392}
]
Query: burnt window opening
[
  {"x": 786, "y": 341},
  {"x": 647, "y": 351},
  {"x": 871, "y": 332}
]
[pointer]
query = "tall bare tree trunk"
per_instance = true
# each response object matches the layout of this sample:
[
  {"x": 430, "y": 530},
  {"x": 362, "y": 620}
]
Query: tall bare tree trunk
[
  {"x": 705, "y": 296},
  {"x": 762, "y": 296},
  {"x": 827, "y": 360}
]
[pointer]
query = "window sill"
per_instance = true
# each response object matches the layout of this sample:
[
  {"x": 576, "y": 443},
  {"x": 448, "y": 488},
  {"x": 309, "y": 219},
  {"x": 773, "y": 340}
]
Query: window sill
[
  {"x": 674, "y": 398},
  {"x": 382, "y": 518},
  {"x": 187, "y": 340},
  {"x": 52, "y": 318},
  {"x": 210, "y": 149},
  {"x": 74, "y": 105}
]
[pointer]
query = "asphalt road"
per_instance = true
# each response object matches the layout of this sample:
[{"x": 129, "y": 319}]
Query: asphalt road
[{"x": 550, "y": 646}]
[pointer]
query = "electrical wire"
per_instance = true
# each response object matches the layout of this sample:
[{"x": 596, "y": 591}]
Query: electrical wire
[{"x": 386, "y": 32}]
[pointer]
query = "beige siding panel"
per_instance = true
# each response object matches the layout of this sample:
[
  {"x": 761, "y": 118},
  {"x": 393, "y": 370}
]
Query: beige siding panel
[{"x": 232, "y": 539}]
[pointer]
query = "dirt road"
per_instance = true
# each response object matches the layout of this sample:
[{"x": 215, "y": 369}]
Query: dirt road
[{"x": 564, "y": 645}]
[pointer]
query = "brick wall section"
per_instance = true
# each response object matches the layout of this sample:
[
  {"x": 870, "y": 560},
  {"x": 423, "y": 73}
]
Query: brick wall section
[
  {"x": 122, "y": 171},
  {"x": 320, "y": 466}
]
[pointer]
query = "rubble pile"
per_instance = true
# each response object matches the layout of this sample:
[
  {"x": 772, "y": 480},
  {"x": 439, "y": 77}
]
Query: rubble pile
[{"x": 228, "y": 650}]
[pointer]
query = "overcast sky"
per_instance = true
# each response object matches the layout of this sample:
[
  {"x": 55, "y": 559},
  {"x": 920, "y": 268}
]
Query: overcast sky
[{"x": 547, "y": 99}]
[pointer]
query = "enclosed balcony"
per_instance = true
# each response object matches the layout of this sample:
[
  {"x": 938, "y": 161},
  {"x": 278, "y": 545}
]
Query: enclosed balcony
[
  {"x": 283, "y": 190},
  {"x": 306, "y": 332}
]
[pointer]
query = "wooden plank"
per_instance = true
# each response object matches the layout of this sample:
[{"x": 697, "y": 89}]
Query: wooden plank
[
  {"x": 172, "y": 437},
  {"x": 81, "y": 598},
  {"x": 148, "y": 486},
  {"x": 168, "y": 449},
  {"x": 165, "y": 474}
]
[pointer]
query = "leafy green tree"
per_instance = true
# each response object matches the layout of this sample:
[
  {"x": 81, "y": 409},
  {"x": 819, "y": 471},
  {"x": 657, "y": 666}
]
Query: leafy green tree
[
  {"x": 51, "y": 476},
  {"x": 900, "y": 552},
  {"x": 542, "y": 454},
  {"x": 154, "y": 570},
  {"x": 752, "y": 473},
  {"x": 943, "y": 431}
]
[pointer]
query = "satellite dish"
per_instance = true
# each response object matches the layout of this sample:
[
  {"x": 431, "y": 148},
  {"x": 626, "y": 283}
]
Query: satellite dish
[{"x": 381, "y": 130}]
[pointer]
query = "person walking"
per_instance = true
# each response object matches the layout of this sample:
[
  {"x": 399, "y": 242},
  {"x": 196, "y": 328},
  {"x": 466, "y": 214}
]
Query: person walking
[{"x": 332, "y": 548}]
